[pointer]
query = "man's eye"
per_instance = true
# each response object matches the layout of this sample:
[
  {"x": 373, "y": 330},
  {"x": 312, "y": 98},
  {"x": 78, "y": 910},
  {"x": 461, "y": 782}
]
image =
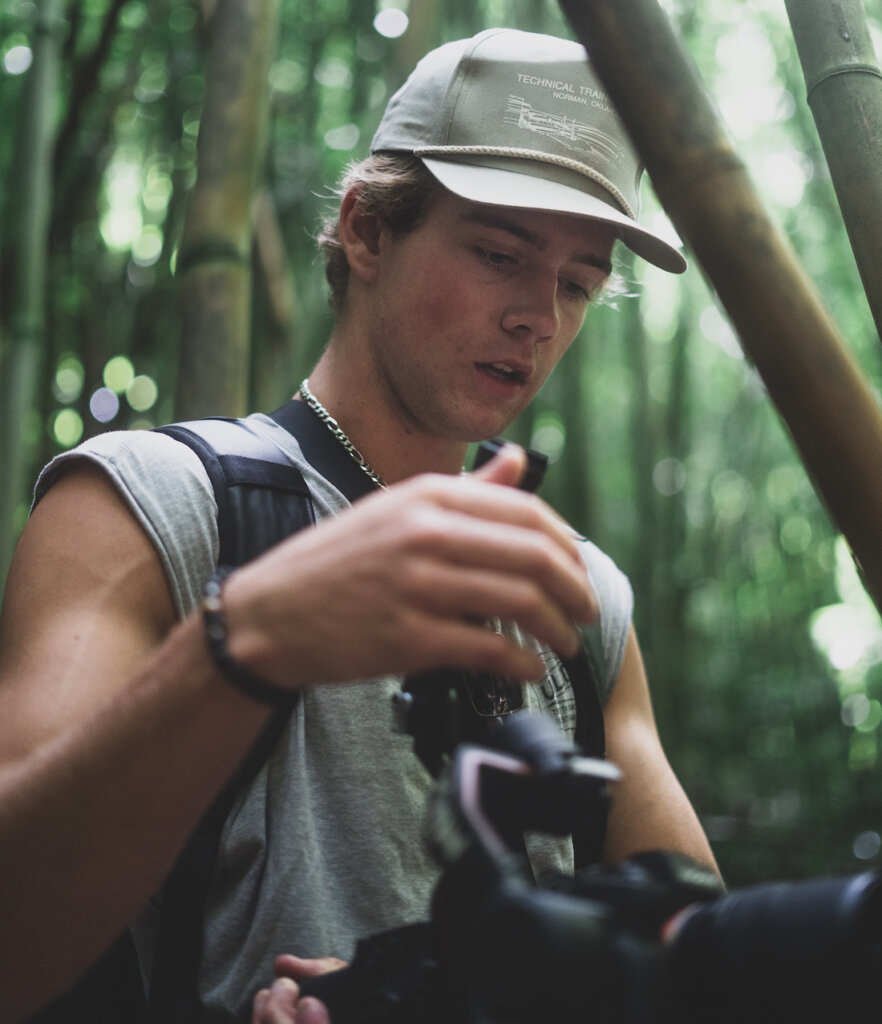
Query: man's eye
[
  {"x": 495, "y": 260},
  {"x": 577, "y": 291}
]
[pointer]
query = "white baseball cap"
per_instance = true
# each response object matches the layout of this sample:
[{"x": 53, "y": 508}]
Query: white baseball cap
[{"x": 517, "y": 119}]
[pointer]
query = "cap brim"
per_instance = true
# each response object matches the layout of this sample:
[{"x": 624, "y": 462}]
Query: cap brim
[{"x": 498, "y": 187}]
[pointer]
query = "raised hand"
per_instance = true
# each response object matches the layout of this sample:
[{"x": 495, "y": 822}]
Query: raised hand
[{"x": 403, "y": 580}]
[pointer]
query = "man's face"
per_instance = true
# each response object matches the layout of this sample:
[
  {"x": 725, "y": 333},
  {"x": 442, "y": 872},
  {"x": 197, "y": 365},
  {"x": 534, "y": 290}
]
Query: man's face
[{"x": 471, "y": 311}]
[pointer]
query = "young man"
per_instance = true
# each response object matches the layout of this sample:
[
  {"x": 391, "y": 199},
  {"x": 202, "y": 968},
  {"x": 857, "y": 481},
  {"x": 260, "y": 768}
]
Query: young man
[{"x": 463, "y": 260}]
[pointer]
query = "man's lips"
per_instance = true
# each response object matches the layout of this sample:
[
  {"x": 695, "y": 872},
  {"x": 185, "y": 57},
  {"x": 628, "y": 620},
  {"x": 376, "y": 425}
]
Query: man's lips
[{"x": 508, "y": 373}]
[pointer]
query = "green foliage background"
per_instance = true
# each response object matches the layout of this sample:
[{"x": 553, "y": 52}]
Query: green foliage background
[{"x": 763, "y": 652}]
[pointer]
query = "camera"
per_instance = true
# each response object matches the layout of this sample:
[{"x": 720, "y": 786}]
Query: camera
[{"x": 654, "y": 940}]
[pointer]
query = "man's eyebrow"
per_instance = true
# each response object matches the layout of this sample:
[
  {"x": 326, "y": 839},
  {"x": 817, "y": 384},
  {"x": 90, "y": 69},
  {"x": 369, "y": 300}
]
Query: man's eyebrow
[
  {"x": 503, "y": 223},
  {"x": 537, "y": 241}
]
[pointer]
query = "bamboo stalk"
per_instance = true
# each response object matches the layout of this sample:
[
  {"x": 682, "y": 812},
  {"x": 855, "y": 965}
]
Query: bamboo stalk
[
  {"x": 26, "y": 351},
  {"x": 844, "y": 92},
  {"x": 812, "y": 379},
  {"x": 214, "y": 264}
]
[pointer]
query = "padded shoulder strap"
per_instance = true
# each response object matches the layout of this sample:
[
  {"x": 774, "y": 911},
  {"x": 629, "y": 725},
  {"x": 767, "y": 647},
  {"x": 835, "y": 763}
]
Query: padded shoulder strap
[{"x": 261, "y": 495}]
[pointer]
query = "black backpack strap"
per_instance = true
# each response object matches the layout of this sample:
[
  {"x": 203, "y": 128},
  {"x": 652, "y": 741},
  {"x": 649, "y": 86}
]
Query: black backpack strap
[
  {"x": 321, "y": 449},
  {"x": 586, "y": 673},
  {"x": 262, "y": 498},
  {"x": 261, "y": 495},
  {"x": 110, "y": 992},
  {"x": 252, "y": 477},
  {"x": 174, "y": 995}
]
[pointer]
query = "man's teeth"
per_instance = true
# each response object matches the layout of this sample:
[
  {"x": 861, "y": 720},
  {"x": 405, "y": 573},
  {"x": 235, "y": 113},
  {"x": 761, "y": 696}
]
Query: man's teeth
[{"x": 503, "y": 370}]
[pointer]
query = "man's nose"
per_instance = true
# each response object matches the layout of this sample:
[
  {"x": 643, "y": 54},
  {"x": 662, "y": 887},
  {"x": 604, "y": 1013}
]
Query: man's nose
[{"x": 533, "y": 306}]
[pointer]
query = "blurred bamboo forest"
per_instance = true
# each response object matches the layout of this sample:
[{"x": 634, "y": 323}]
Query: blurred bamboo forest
[{"x": 764, "y": 653}]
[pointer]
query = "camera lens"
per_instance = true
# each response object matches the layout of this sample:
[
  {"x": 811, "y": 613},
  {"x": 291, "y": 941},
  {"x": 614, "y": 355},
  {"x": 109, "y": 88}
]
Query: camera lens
[{"x": 807, "y": 952}]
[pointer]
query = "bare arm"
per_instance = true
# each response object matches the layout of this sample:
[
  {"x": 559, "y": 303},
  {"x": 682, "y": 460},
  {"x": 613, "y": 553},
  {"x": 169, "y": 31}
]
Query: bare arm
[
  {"x": 115, "y": 728},
  {"x": 649, "y": 810},
  {"x": 98, "y": 726}
]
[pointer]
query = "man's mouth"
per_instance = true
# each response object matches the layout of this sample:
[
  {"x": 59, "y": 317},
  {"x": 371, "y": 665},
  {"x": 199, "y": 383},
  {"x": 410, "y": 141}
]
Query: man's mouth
[{"x": 504, "y": 372}]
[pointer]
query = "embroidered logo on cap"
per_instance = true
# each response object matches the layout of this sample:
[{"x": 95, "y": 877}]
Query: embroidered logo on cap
[{"x": 575, "y": 135}]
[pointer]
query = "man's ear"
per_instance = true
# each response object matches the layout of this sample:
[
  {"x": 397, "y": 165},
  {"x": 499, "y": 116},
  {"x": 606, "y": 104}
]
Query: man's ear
[{"x": 359, "y": 236}]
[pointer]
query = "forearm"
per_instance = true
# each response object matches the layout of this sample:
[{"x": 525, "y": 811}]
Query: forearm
[
  {"x": 650, "y": 810},
  {"x": 92, "y": 820}
]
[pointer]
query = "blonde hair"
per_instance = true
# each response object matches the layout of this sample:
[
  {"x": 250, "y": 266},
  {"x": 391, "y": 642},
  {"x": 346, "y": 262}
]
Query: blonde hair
[{"x": 394, "y": 187}]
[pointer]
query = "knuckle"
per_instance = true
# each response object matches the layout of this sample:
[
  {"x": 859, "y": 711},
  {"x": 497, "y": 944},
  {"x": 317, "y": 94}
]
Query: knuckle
[
  {"x": 534, "y": 510},
  {"x": 525, "y": 600},
  {"x": 413, "y": 578},
  {"x": 544, "y": 557},
  {"x": 532, "y": 605},
  {"x": 422, "y": 528}
]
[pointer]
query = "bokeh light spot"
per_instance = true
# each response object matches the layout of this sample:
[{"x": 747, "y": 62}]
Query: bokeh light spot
[
  {"x": 104, "y": 405},
  {"x": 118, "y": 373},
  {"x": 142, "y": 393},
  {"x": 867, "y": 845},
  {"x": 147, "y": 247},
  {"x": 796, "y": 535},
  {"x": 17, "y": 60},
  {"x": 855, "y": 709},
  {"x": 549, "y": 435},
  {"x": 391, "y": 23},
  {"x": 334, "y": 73},
  {"x": 343, "y": 138},
  {"x": 67, "y": 427},
  {"x": 669, "y": 477},
  {"x": 68, "y": 382}
]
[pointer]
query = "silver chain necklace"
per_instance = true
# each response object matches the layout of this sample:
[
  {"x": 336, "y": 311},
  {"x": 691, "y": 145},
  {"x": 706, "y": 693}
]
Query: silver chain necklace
[{"x": 338, "y": 432}]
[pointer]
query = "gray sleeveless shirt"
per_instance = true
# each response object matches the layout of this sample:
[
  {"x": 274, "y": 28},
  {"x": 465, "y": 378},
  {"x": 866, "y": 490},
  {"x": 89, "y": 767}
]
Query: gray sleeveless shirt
[{"x": 326, "y": 846}]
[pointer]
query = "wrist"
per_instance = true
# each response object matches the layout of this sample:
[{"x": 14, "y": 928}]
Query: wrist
[{"x": 217, "y": 636}]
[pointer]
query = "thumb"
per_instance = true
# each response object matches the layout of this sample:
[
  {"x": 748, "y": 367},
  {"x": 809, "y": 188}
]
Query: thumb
[
  {"x": 507, "y": 467},
  {"x": 289, "y": 966}
]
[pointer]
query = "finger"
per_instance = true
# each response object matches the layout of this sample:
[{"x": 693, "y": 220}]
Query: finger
[
  {"x": 282, "y": 1002},
  {"x": 312, "y": 1011},
  {"x": 469, "y": 544},
  {"x": 507, "y": 467},
  {"x": 502, "y": 505},
  {"x": 286, "y": 965},
  {"x": 477, "y": 595},
  {"x": 459, "y": 644},
  {"x": 276, "y": 1005},
  {"x": 258, "y": 1014}
]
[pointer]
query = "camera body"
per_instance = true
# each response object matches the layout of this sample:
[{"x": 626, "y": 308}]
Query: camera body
[{"x": 650, "y": 941}]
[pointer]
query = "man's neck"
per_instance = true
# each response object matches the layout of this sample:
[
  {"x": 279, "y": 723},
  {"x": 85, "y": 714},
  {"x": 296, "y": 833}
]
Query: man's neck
[{"x": 377, "y": 430}]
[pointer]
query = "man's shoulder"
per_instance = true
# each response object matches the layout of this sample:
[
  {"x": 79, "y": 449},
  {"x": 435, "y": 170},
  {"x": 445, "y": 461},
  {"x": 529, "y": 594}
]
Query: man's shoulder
[
  {"x": 602, "y": 567},
  {"x": 128, "y": 457},
  {"x": 616, "y": 600},
  {"x": 165, "y": 489}
]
